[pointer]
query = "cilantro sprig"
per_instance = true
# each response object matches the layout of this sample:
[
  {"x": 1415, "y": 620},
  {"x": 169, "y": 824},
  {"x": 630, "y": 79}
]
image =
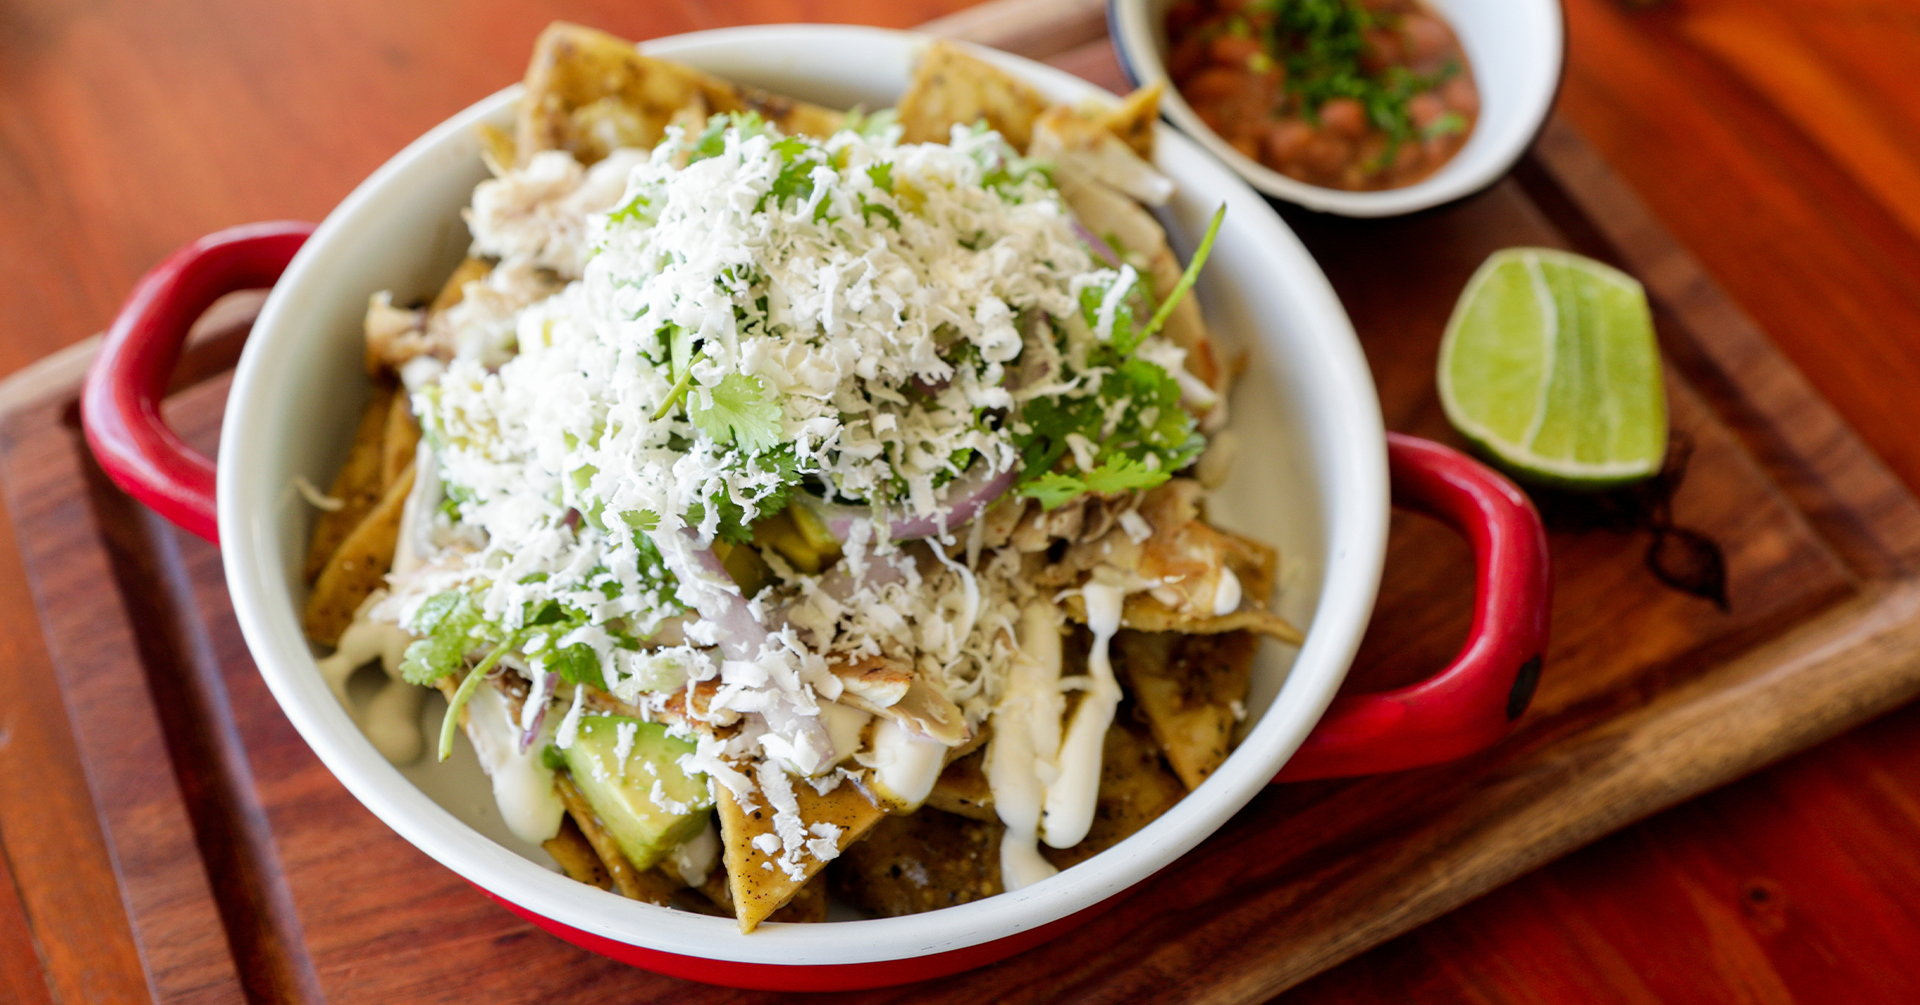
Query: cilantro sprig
[
  {"x": 1138, "y": 431},
  {"x": 453, "y": 626}
]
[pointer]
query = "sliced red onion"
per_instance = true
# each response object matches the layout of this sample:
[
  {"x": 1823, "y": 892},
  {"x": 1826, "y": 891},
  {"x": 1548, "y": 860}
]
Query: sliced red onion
[
  {"x": 1096, "y": 244},
  {"x": 544, "y": 698},
  {"x": 968, "y": 496},
  {"x": 741, "y": 634},
  {"x": 742, "y": 637}
]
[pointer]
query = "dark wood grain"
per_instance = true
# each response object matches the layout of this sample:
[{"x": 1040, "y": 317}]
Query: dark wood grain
[
  {"x": 1773, "y": 137},
  {"x": 1305, "y": 877}
]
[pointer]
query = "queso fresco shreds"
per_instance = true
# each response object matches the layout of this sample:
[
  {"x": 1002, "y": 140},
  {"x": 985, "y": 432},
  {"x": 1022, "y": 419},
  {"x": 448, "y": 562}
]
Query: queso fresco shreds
[
  {"x": 783, "y": 472},
  {"x": 848, "y": 313},
  {"x": 865, "y": 317}
]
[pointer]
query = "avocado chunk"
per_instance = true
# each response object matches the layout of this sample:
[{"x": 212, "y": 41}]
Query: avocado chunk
[{"x": 645, "y": 800}]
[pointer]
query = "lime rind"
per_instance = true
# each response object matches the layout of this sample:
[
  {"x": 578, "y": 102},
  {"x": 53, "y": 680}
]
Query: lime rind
[{"x": 1550, "y": 366}]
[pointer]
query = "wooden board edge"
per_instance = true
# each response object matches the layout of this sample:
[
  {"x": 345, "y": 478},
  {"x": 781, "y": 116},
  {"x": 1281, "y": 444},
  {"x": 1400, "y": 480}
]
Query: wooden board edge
[
  {"x": 1840, "y": 670},
  {"x": 63, "y": 372}
]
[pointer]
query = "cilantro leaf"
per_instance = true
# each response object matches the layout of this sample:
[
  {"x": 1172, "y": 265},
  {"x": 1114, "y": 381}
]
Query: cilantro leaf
[
  {"x": 1127, "y": 332},
  {"x": 1121, "y": 474},
  {"x": 1125, "y": 474},
  {"x": 1054, "y": 489},
  {"x": 737, "y": 411},
  {"x": 577, "y": 664},
  {"x": 869, "y": 210},
  {"x": 870, "y": 124},
  {"x": 447, "y": 621},
  {"x": 736, "y": 520}
]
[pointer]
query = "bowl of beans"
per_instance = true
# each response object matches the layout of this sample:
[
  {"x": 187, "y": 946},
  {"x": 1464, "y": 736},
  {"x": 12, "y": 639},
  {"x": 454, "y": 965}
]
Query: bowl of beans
[{"x": 1356, "y": 107}]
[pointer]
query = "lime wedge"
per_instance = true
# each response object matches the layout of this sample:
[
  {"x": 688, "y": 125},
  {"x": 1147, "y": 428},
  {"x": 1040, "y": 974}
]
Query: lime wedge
[{"x": 1549, "y": 365}]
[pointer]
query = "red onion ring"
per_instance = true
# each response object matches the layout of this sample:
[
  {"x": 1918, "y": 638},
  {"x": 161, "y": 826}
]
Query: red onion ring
[
  {"x": 1096, "y": 244},
  {"x": 545, "y": 697},
  {"x": 741, "y": 634},
  {"x": 968, "y": 496}
]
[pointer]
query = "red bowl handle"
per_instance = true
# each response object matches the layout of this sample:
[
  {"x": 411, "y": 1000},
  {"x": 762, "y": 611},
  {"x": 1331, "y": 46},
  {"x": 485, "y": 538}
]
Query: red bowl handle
[
  {"x": 120, "y": 402},
  {"x": 1470, "y": 704}
]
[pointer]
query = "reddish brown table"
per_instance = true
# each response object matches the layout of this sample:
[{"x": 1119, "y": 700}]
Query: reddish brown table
[{"x": 1774, "y": 137}]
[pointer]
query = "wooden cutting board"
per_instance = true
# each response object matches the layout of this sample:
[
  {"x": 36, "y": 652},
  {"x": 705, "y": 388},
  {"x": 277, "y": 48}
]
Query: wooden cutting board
[{"x": 242, "y": 867}]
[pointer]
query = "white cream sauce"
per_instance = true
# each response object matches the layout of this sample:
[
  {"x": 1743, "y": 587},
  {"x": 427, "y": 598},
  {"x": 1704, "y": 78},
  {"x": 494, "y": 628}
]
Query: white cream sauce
[
  {"x": 1226, "y": 595},
  {"x": 1026, "y": 738},
  {"x": 1068, "y": 812},
  {"x": 390, "y": 719},
  {"x": 522, "y": 784},
  {"x": 416, "y": 514},
  {"x": 905, "y": 765}
]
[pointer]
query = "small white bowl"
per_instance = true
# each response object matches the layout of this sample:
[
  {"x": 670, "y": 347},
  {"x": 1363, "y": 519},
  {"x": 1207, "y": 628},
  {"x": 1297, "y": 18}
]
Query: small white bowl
[{"x": 1515, "y": 47}]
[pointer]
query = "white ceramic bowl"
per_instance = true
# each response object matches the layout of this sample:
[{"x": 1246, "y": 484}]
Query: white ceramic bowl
[
  {"x": 1516, "y": 48},
  {"x": 1313, "y": 481}
]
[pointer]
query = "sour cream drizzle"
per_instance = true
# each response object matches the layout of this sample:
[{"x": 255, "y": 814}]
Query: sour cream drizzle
[
  {"x": 905, "y": 765},
  {"x": 1026, "y": 739},
  {"x": 522, "y": 783},
  {"x": 1068, "y": 812},
  {"x": 390, "y": 719}
]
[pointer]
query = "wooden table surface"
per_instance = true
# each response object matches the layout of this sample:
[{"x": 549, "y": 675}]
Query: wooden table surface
[{"x": 1778, "y": 139}]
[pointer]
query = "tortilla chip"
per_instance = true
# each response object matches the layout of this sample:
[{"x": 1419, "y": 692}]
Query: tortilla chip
[
  {"x": 809, "y": 904},
  {"x": 920, "y": 862},
  {"x": 952, "y": 87},
  {"x": 359, "y": 567},
  {"x": 962, "y": 788},
  {"x": 1080, "y": 139},
  {"x": 358, "y": 485},
  {"x": 1187, "y": 688},
  {"x": 576, "y": 856},
  {"x": 455, "y": 288},
  {"x": 1254, "y": 564},
  {"x": 920, "y": 707},
  {"x": 1133, "y": 119},
  {"x": 589, "y": 92},
  {"x": 757, "y": 885},
  {"x": 398, "y": 445},
  {"x": 1135, "y": 788},
  {"x": 1137, "y": 236}
]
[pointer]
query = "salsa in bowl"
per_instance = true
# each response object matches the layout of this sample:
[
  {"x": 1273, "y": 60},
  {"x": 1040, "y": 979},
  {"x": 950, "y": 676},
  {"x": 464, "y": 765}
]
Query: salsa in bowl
[{"x": 1355, "y": 107}]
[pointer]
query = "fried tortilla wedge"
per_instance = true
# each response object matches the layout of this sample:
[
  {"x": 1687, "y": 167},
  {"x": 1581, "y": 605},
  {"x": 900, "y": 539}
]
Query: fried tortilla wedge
[
  {"x": 577, "y": 856},
  {"x": 951, "y": 87},
  {"x": 589, "y": 92},
  {"x": 809, "y": 904},
  {"x": 358, "y": 485},
  {"x": 455, "y": 288},
  {"x": 1138, "y": 237},
  {"x": 1254, "y": 564},
  {"x": 757, "y": 884},
  {"x": 1135, "y": 788},
  {"x": 1132, "y": 120},
  {"x": 920, "y": 862},
  {"x": 1081, "y": 139},
  {"x": 359, "y": 567},
  {"x": 1187, "y": 687},
  {"x": 962, "y": 788},
  {"x": 398, "y": 445},
  {"x": 892, "y": 690}
]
